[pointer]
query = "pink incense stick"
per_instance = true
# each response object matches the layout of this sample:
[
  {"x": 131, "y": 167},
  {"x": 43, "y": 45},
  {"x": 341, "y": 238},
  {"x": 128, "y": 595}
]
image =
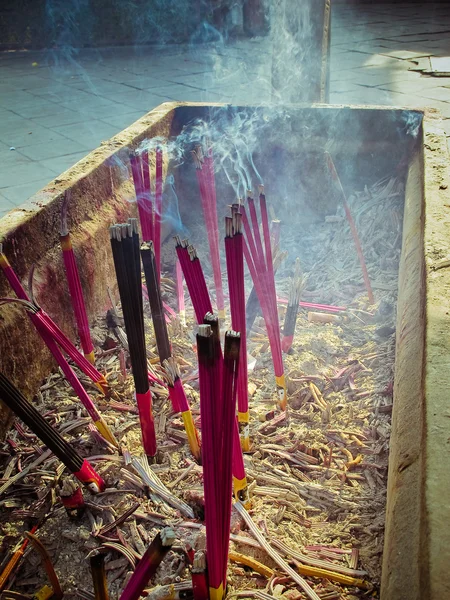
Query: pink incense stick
[
  {"x": 195, "y": 280},
  {"x": 143, "y": 201},
  {"x": 158, "y": 207},
  {"x": 147, "y": 189},
  {"x": 180, "y": 292}
]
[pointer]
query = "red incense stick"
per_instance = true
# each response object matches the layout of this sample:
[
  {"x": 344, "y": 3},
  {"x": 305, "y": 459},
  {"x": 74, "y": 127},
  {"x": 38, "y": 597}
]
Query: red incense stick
[
  {"x": 235, "y": 269},
  {"x": 206, "y": 180},
  {"x": 62, "y": 340},
  {"x": 143, "y": 197},
  {"x": 195, "y": 280},
  {"x": 75, "y": 289},
  {"x": 180, "y": 292},
  {"x": 158, "y": 207},
  {"x": 353, "y": 229}
]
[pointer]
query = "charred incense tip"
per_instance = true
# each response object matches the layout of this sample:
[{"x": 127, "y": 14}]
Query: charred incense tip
[
  {"x": 232, "y": 344},
  {"x": 249, "y": 195},
  {"x": 148, "y": 247},
  {"x": 168, "y": 536},
  {"x": 237, "y": 223},
  {"x": 204, "y": 330},
  {"x": 211, "y": 318},
  {"x": 134, "y": 225},
  {"x": 197, "y": 161},
  {"x": 192, "y": 252},
  {"x": 261, "y": 190},
  {"x": 185, "y": 243}
]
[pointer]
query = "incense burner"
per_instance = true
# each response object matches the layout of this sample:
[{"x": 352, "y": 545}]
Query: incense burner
[{"x": 365, "y": 142}]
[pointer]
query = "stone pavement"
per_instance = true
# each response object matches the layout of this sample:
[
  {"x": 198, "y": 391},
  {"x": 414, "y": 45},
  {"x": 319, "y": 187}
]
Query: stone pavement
[{"x": 56, "y": 107}]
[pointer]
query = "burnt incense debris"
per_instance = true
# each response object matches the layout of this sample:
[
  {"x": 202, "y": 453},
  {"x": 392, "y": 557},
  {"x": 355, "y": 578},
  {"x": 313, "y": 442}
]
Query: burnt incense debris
[{"x": 311, "y": 466}]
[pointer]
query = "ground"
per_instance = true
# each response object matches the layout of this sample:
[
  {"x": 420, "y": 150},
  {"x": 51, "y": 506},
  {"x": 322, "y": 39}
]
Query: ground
[{"x": 53, "y": 111}]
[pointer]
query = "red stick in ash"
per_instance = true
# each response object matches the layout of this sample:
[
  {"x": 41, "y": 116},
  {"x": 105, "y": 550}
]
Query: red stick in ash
[
  {"x": 260, "y": 264},
  {"x": 206, "y": 181},
  {"x": 74, "y": 283}
]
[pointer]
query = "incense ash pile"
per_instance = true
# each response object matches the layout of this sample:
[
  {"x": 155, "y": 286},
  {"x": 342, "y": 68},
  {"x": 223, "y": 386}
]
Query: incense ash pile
[{"x": 316, "y": 472}]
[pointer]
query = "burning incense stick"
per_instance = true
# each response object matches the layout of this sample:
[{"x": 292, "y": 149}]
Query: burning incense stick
[
  {"x": 148, "y": 564},
  {"x": 69, "y": 373},
  {"x": 236, "y": 287},
  {"x": 290, "y": 318},
  {"x": 79, "y": 467},
  {"x": 158, "y": 207},
  {"x": 38, "y": 316},
  {"x": 141, "y": 178},
  {"x": 176, "y": 391},
  {"x": 125, "y": 249},
  {"x": 205, "y": 175},
  {"x": 195, "y": 280},
  {"x": 353, "y": 229},
  {"x": 260, "y": 265},
  {"x": 75, "y": 289},
  {"x": 180, "y": 293},
  {"x": 218, "y": 427},
  {"x": 97, "y": 563}
]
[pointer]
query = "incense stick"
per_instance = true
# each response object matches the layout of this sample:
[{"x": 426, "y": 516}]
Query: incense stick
[
  {"x": 143, "y": 195},
  {"x": 125, "y": 249},
  {"x": 236, "y": 286},
  {"x": 158, "y": 208},
  {"x": 180, "y": 293},
  {"x": 351, "y": 222},
  {"x": 198, "y": 574},
  {"x": 177, "y": 394},
  {"x": 194, "y": 277},
  {"x": 97, "y": 563},
  {"x": 148, "y": 564},
  {"x": 290, "y": 318},
  {"x": 218, "y": 427},
  {"x": 38, "y": 315},
  {"x": 69, "y": 373},
  {"x": 260, "y": 264},
  {"x": 78, "y": 466},
  {"x": 205, "y": 175}
]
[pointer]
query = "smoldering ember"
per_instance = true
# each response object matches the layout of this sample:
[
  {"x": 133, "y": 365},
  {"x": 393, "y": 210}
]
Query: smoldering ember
[{"x": 224, "y": 321}]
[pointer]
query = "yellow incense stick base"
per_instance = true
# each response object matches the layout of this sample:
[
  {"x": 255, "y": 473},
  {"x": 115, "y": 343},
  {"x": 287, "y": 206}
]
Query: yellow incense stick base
[
  {"x": 4, "y": 262},
  {"x": 106, "y": 432},
  {"x": 244, "y": 431},
  {"x": 192, "y": 434},
  {"x": 241, "y": 492},
  {"x": 216, "y": 593},
  {"x": 102, "y": 385},
  {"x": 90, "y": 357},
  {"x": 44, "y": 593},
  {"x": 222, "y": 314},
  {"x": 281, "y": 391}
]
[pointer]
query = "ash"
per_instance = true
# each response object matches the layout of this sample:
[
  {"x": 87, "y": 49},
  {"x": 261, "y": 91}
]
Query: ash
[{"x": 317, "y": 473}]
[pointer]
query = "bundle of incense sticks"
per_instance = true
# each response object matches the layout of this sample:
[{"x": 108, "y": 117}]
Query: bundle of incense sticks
[
  {"x": 218, "y": 391},
  {"x": 180, "y": 292},
  {"x": 351, "y": 222},
  {"x": 127, "y": 263},
  {"x": 235, "y": 269},
  {"x": 148, "y": 564},
  {"x": 149, "y": 215},
  {"x": 75, "y": 289},
  {"x": 194, "y": 277},
  {"x": 177, "y": 394},
  {"x": 204, "y": 165},
  {"x": 78, "y": 466},
  {"x": 260, "y": 264},
  {"x": 69, "y": 373},
  {"x": 290, "y": 318},
  {"x": 43, "y": 322}
]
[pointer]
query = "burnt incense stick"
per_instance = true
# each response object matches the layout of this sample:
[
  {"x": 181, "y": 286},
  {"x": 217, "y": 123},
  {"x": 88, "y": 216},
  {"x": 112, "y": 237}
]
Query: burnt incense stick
[
  {"x": 290, "y": 318},
  {"x": 38, "y": 316},
  {"x": 236, "y": 286},
  {"x": 158, "y": 207},
  {"x": 148, "y": 564},
  {"x": 97, "y": 563},
  {"x": 69, "y": 373},
  {"x": 74, "y": 283},
  {"x": 177, "y": 394},
  {"x": 125, "y": 249},
  {"x": 351, "y": 222},
  {"x": 205, "y": 175},
  {"x": 78, "y": 466},
  {"x": 199, "y": 577}
]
